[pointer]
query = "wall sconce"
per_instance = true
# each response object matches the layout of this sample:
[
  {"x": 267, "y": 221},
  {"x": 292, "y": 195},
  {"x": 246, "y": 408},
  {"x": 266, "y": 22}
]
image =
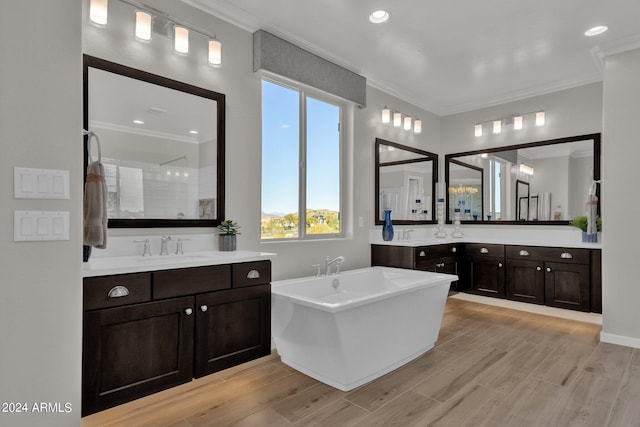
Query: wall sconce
[
  {"x": 517, "y": 120},
  {"x": 98, "y": 12},
  {"x": 148, "y": 20},
  {"x": 143, "y": 26},
  {"x": 387, "y": 115},
  {"x": 526, "y": 169}
]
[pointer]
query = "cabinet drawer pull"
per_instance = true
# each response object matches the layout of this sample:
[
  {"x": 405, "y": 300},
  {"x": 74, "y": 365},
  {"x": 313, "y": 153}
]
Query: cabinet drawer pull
[
  {"x": 538, "y": 268},
  {"x": 454, "y": 249},
  {"x": 524, "y": 253},
  {"x": 500, "y": 265},
  {"x": 188, "y": 311},
  {"x": 566, "y": 255},
  {"x": 118, "y": 292},
  {"x": 253, "y": 274},
  {"x": 484, "y": 250},
  {"x": 548, "y": 269},
  {"x": 422, "y": 253},
  {"x": 203, "y": 308},
  {"x": 440, "y": 265}
]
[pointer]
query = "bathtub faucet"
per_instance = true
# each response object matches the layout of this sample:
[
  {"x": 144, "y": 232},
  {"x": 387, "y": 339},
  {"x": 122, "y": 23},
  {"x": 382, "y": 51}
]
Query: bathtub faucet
[{"x": 328, "y": 263}]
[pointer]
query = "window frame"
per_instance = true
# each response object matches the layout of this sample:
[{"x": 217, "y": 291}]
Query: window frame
[{"x": 305, "y": 92}]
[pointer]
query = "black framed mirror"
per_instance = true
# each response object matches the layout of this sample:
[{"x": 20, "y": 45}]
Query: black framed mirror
[
  {"x": 162, "y": 146},
  {"x": 405, "y": 183},
  {"x": 466, "y": 190},
  {"x": 542, "y": 182}
]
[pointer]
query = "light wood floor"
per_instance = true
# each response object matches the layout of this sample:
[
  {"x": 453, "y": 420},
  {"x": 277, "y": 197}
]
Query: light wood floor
[{"x": 491, "y": 367}]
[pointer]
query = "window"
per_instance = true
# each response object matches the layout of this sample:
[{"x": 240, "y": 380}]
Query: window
[{"x": 301, "y": 164}]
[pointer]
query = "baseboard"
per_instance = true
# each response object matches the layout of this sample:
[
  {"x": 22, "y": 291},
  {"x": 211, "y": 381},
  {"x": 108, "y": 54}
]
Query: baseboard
[
  {"x": 620, "y": 340},
  {"x": 580, "y": 316}
]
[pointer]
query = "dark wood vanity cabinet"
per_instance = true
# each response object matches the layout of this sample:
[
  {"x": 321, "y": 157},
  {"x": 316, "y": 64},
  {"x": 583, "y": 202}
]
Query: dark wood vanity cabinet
[
  {"x": 557, "y": 277},
  {"x": 485, "y": 270},
  {"x": 147, "y": 332}
]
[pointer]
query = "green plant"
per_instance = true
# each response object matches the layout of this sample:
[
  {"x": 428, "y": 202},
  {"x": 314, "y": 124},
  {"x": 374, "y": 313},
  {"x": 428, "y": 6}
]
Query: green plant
[
  {"x": 581, "y": 223},
  {"x": 228, "y": 228}
]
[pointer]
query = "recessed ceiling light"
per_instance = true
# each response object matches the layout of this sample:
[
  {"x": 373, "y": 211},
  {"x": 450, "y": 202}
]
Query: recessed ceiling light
[
  {"x": 193, "y": 132},
  {"x": 596, "y": 30},
  {"x": 138, "y": 122},
  {"x": 379, "y": 16}
]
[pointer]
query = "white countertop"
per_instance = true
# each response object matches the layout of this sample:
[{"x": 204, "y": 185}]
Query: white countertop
[
  {"x": 105, "y": 266},
  {"x": 551, "y": 236}
]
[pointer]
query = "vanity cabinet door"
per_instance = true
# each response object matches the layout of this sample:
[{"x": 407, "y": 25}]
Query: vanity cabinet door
[
  {"x": 525, "y": 281},
  {"x": 392, "y": 256},
  {"x": 486, "y": 276},
  {"x": 232, "y": 327},
  {"x": 135, "y": 350},
  {"x": 567, "y": 286}
]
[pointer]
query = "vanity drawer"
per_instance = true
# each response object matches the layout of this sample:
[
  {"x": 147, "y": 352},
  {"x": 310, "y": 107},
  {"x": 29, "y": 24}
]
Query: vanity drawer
[
  {"x": 536, "y": 253},
  {"x": 116, "y": 290},
  {"x": 442, "y": 251},
  {"x": 484, "y": 250},
  {"x": 251, "y": 273},
  {"x": 189, "y": 281}
]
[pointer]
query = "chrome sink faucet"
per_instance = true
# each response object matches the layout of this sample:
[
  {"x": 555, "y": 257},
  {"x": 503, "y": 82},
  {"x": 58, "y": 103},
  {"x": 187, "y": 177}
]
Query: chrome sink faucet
[
  {"x": 164, "y": 250},
  {"x": 146, "y": 251},
  {"x": 328, "y": 263}
]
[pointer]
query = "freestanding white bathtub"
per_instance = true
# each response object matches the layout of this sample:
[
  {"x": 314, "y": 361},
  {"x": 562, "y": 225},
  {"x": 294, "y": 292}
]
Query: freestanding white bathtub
[{"x": 348, "y": 329}]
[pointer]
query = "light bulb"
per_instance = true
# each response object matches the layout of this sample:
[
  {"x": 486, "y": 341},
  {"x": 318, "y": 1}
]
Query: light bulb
[
  {"x": 181, "y": 42},
  {"x": 215, "y": 53},
  {"x": 98, "y": 12},
  {"x": 143, "y": 26}
]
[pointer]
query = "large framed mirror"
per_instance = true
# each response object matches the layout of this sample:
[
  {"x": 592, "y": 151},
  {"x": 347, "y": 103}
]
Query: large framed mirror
[
  {"x": 162, "y": 146},
  {"x": 543, "y": 182},
  {"x": 404, "y": 183}
]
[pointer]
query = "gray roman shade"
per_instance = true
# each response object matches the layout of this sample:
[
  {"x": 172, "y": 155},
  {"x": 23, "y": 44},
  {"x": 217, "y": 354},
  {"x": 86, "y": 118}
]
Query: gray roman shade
[{"x": 271, "y": 53}]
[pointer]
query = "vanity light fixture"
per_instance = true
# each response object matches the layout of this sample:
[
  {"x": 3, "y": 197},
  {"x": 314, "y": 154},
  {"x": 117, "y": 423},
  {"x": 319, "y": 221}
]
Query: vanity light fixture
[
  {"x": 143, "y": 26},
  {"x": 181, "y": 40},
  {"x": 149, "y": 20},
  {"x": 517, "y": 120},
  {"x": 98, "y": 12},
  {"x": 397, "y": 120},
  {"x": 526, "y": 169},
  {"x": 407, "y": 123},
  {"x": 386, "y": 115}
]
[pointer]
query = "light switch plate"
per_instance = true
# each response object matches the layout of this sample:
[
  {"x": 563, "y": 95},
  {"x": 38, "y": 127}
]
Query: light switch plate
[
  {"x": 40, "y": 225},
  {"x": 31, "y": 183}
]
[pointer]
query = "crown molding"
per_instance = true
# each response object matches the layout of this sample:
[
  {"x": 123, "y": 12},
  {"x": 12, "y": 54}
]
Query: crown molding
[
  {"x": 227, "y": 12},
  {"x": 94, "y": 124}
]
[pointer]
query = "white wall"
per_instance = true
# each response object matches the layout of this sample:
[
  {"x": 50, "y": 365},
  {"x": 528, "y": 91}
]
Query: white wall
[
  {"x": 242, "y": 88},
  {"x": 40, "y": 127},
  {"x": 621, "y": 206}
]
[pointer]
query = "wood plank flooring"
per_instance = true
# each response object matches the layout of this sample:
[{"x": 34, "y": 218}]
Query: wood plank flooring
[{"x": 491, "y": 367}]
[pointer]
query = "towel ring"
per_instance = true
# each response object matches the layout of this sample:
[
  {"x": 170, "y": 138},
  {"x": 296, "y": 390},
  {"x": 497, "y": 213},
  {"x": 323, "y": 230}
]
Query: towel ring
[{"x": 91, "y": 134}]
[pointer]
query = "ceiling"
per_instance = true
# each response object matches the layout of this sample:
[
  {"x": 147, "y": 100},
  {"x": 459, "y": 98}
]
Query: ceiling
[{"x": 451, "y": 56}]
